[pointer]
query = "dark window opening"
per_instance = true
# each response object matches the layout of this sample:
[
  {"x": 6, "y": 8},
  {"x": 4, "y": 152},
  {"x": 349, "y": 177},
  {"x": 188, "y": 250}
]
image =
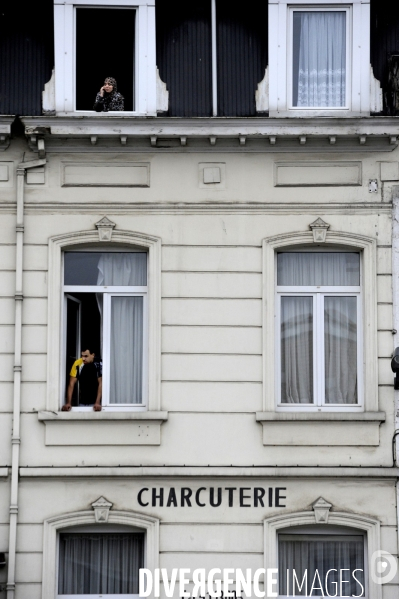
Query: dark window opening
[
  {"x": 83, "y": 329},
  {"x": 105, "y": 44}
]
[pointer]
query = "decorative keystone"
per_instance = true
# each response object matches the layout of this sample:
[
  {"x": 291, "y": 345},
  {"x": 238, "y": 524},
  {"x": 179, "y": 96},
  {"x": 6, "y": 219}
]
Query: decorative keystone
[
  {"x": 101, "y": 509},
  {"x": 319, "y": 230},
  {"x": 321, "y": 509},
  {"x": 105, "y": 228}
]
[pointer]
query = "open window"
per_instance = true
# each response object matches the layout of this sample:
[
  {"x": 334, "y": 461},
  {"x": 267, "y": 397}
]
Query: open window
[
  {"x": 319, "y": 336},
  {"x": 95, "y": 39},
  {"x": 106, "y": 311},
  {"x": 321, "y": 561}
]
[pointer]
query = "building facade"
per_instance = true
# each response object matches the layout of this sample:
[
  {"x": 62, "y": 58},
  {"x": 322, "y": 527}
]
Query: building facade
[{"x": 225, "y": 246}]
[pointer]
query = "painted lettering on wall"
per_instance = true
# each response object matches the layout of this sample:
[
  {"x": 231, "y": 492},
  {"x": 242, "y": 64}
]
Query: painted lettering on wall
[{"x": 242, "y": 497}]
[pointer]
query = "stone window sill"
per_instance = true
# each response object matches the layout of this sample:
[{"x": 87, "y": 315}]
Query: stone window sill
[
  {"x": 103, "y": 428},
  {"x": 321, "y": 428}
]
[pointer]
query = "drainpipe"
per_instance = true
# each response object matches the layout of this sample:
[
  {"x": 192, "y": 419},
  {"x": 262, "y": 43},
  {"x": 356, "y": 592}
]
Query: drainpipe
[
  {"x": 15, "y": 437},
  {"x": 395, "y": 299}
]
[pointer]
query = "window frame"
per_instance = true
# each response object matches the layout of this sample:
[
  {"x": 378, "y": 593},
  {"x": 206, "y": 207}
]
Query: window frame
[
  {"x": 65, "y": 56},
  {"x": 318, "y": 293},
  {"x": 366, "y": 525},
  {"x": 108, "y": 292},
  {"x": 280, "y": 58},
  {"x": 298, "y": 241},
  {"x": 325, "y": 532},
  {"x": 89, "y": 240},
  {"x": 134, "y": 521},
  {"x": 290, "y": 71}
]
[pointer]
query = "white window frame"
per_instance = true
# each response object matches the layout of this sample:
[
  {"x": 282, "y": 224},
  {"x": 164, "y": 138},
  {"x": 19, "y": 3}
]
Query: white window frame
[
  {"x": 348, "y": 29},
  {"x": 280, "y": 58},
  {"x": 318, "y": 294},
  {"x": 108, "y": 292},
  {"x": 325, "y": 531},
  {"x": 95, "y": 528},
  {"x": 370, "y": 527},
  {"x": 65, "y": 56},
  {"x": 341, "y": 241},
  {"x": 77, "y": 522},
  {"x": 89, "y": 240}
]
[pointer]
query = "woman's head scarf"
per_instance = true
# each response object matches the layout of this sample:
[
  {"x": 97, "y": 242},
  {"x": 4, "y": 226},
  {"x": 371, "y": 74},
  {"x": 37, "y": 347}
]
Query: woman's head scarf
[{"x": 111, "y": 81}]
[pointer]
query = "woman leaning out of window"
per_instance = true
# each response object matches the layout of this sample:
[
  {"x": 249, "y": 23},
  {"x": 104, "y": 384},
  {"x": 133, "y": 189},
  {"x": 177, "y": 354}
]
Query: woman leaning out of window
[{"x": 108, "y": 98}]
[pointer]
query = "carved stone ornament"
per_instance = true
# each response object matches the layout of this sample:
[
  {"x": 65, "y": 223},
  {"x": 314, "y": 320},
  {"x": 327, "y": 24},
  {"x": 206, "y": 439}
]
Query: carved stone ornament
[
  {"x": 319, "y": 230},
  {"x": 105, "y": 228},
  {"x": 101, "y": 509},
  {"x": 321, "y": 509}
]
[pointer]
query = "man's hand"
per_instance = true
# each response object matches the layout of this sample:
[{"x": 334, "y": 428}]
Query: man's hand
[
  {"x": 97, "y": 407},
  {"x": 66, "y": 407}
]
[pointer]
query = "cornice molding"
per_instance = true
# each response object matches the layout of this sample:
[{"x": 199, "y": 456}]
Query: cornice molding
[{"x": 63, "y": 134}]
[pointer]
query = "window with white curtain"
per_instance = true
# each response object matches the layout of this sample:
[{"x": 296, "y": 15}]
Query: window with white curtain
[
  {"x": 321, "y": 561},
  {"x": 318, "y": 323},
  {"x": 105, "y": 309},
  {"x": 319, "y": 58},
  {"x": 97, "y": 563}
]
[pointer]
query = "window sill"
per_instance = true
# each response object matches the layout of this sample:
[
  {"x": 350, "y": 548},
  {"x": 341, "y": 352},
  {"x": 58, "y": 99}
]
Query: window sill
[
  {"x": 321, "y": 428},
  {"x": 103, "y": 428}
]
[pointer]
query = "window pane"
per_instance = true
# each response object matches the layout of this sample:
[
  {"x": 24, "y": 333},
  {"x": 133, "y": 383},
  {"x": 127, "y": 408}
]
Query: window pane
[
  {"x": 126, "y": 350},
  {"x": 98, "y": 28},
  {"x": 105, "y": 268},
  {"x": 297, "y": 350},
  {"x": 340, "y": 338},
  {"x": 319, "y": 59},
  {"x": 322, "y": 554},
  {"x": 100, "y": 563},
  {"x": 318, "y": 268}
]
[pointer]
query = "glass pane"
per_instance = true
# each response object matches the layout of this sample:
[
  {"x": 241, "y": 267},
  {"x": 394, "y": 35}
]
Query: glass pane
[
  {"x": 297, "y": 350},
  {"x": 105, "y": 268},
  {"x": 319, "y": 59},
  {"x": 307, "y": 557},
  {"x": 100, "y": 563},
  {"x": 318, "y": 268},
  {"x": 340, "y": 339},
  {"x": 126, "y": 383}
]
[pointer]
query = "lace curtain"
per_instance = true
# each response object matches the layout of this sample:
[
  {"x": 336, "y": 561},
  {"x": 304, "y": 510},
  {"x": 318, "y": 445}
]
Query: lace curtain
[{"x": 319, "y": 59}]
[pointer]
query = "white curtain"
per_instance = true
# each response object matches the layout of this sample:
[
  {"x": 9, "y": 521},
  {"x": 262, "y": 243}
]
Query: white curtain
[
  {"x": 295, "y": 269},
  {"x": 125, "y": 269},
  {"x": 321, "y": 76},
  {"x": 320, "y": 554},
  {"x": 100, "y": 563},
  {"x": 296, "y": 349},
  {"x": 340, "y": 349},
  {"x": 126, "y": 350},
  {"x": 318, "y": 268}
]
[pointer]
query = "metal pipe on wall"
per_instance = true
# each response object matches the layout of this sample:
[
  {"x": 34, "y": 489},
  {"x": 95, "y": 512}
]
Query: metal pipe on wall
[
  {"x": 15, "y": 437},
  {"x": 214, "y": 62}
]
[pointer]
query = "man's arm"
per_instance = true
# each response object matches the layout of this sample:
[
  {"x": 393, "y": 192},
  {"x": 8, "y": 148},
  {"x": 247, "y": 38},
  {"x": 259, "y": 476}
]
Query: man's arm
[
  {"x": 97, "y": 405},
  {"x": 68, "y": 404}
]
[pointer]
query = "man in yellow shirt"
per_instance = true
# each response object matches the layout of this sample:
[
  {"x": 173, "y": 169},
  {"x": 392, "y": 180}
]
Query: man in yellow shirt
[{"x": 89, "y": 373}]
